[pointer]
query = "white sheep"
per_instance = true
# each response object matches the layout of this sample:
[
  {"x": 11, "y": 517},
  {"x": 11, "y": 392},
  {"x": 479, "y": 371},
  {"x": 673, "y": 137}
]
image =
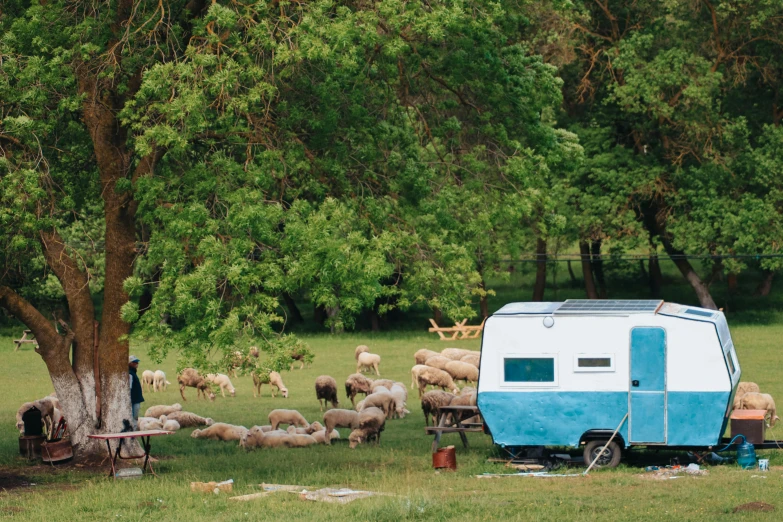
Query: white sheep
[
  {"x": 462, "y": 371},
  {"x": 386, "y": 383},
  {"x": 400, "y": 395},
  {"x": 371, "y": 423},
  {"x": 355, "y": 384},
  {"x": 431, "y": 401},
  {"x": 278, "y": 417},
  {"x": 760, "y": 401},
  {"x": 147, "y": 380},
  {"x": 274, "y": 379},
  {"x": 159, "y": 381},
  {"x": 362, "y": 348},
  {"x": 258, "y": 437},
  {"x": 171, "y": 425},
  {"x": 336, "y": 418},
  {"x": 220, "y": 431},
  {"x": 368, "y": 361},
  {"x": 742, "y": 389},
  {"x": 475, "y": 360},
  {"x": 422, "y": 355},
  {"x": 384, "y": 401},
  {"x": 222, "y": 380},
  {"x": 162, "y": 409},
  {"x": 151, "y": 423},
  {"x": 438, "y": 361},
  {"x": 300, "y": 440},
  {"x": 415, "y": 372},
  {"x": 455, "y": 354},
  {"x": 434, "y": 377},
  {"x": 187, "y": 419},
  {"x": 321, "y": 438}
]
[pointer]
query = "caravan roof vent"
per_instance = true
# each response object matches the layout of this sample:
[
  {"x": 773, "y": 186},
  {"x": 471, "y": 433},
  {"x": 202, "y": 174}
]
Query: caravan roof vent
[{"x": 608, "y": 307}]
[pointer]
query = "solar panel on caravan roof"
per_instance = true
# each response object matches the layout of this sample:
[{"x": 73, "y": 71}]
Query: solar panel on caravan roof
[{"x": 592, "y": 307}]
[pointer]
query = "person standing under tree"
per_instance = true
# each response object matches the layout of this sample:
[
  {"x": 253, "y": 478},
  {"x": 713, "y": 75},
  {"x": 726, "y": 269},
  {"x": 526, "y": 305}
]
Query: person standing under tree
[{"x": 135, "y": 390}]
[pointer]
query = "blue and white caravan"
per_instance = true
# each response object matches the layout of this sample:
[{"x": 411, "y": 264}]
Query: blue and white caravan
[{"x": 565, "y": 374}]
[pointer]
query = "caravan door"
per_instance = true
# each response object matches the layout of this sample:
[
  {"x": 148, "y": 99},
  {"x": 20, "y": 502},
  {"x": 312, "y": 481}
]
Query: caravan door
[{"x": 647, "y": 398}]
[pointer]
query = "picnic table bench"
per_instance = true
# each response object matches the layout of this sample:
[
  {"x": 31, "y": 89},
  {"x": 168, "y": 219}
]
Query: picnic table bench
[
  {"x": 24, "y": 339},
  {"x": 451, "y": 419},
  {"x": 459, "y": 331},
  {"x": 145, "y": 438}
]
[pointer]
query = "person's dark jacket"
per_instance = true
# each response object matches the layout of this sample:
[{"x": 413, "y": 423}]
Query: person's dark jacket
[{"x": 136, "y": 396}]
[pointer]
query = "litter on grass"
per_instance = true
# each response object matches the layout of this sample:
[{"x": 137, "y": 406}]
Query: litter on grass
[
  {"x": 341, "y": 496},
  {"x": 544, "y": 474},
  {"x": 672, "y": 472}
]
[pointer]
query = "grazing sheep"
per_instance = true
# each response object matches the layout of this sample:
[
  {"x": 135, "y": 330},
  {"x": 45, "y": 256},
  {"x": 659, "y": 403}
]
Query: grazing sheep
[
  {"x": 278, "y": 417},
  {"x": 162, "y": 409},
  {"x": 190, "y": 378},
  {"x": 368, "y": 361},
  {"x": 222, "y": 380},
  {"x": 355, "y": 384},
  {"x": 438, "y": 361},
  {"x": 46, "y": 406},
  {"x": 462, "y": 371},
  {"x": 52, "y": 397},
  {"x": 362, "y": 348},
  {"x": 386, "y": 383},
  {"x": 326, "y": 390},
  {"x": 258, "y": 437},
  {"x": 400, "y": 395},
  {"x": 159, "y": 381},
  {"x": 303, "y": 355},
  {"x": 274, "y": 379},
  {"x": 171, "y": 425},
  {"x": 21, "y": 411},
  {"x": 150, "y": 423},
  {"x": 384, "y": 401},
  {"x": 742, "y": 389},
  {"x": 253, "y": 352},
  {"x": 381, "y": 389},
  {"x": 431, "y": 401},
  {"x": 475, "y": 360},
  {"x": 434, "y": 377},
  {"x": 220, "y": 431},
  {"x": 148, "y": 380},
  {"x": 422, "y": 355},
  {"x": 760, "y": 401},
  {"x": 300, "y": 440},
  {"x": 455, "y": 354},
  {"x": 360, "y": 405},
  {"x": 189, "y": 420},
  {"x": 372, "y": 422},
  {"x": 415, "y": 372},
  {"x": 340, "y": 419},
  {"x": 321, "y": 438}
]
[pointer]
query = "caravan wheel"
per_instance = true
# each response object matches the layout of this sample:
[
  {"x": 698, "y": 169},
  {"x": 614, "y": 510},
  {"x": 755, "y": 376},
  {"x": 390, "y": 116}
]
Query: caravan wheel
[{"x": 610, "y": 458}]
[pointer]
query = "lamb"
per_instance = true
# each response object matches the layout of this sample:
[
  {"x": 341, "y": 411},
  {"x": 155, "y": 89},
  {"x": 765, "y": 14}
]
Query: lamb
[
  {"x": 326, "y": 390},
  {"x": 475, "y": 360},
  {"x": 372, "y": 422},
  {"x": 278, "y": 417},
  {"x": 368, "y": 361},
  {"x": 300, "y": 440},
  {"x": 438, "y": 362},
  {"x": 189, "y": 377},
  {"x": 415, "y": 372},
  {"x": 431, "y": 401},
  {"x": 434, "y": 377},
  {"x": 462, "y": 371},
  {"x": 150, "y": 423},
  {"x": 400, "y": 395},
  {"x": 742, "y": 389},
  {"x": 257, "y": 437},
  {"x": 162, "y": 409},
  {"x": 362, "y": 348},
  {"x": 147, "y": 380},
  {"x": 274, "y": 379},
  {"x": 159, "y": 381},
  {"x": 189, "y": 420},
  {"x": 321, "y": 438},
  {"x": 422, "y": 355},
  {"x": 355, "y": 384},
  {"x": 455, "y": 354},
  {"x": 220, "y": 431},
  {"x": 171, "y": 425},
  {"x": 384, "y": 401},
  {"x": 386, "y": 383},
  {"x": 222, "y": 380},
  {"x": 760, "y": 401},
  {"x": 340, "y": 419}
]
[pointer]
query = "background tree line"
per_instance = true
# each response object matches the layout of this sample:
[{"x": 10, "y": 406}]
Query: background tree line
[{"x": 197, "y": 170}]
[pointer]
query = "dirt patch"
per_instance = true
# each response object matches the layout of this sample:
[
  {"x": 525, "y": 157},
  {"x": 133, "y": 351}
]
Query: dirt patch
[
  {"x": 754, "y": 506},
  {"x": 10, "y": 510},
  {"x": 10, "y": 481}
]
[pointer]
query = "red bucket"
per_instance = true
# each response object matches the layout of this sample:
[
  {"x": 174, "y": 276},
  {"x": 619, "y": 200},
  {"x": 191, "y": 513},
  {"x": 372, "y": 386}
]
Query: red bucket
[{"x": 445, "y": 458}]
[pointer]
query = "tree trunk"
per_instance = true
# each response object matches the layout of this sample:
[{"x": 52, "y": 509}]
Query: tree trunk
[
  {"x": 293, "y": 311},
  {"x": 731, "y": 280},
  {"x": 332, "y": 314},
  {"x": 765, "y": 286},
  {"x": 541, "y": 259},
  {"x": 574, "y": 282},
  {"x": 437, "y": 315},
  {"x": 375, "y": 320},
  {"x": 319, "y": 314},
  {"x": 587, "y": 270},
  {"x": 656, "y": 277},
  {"x": 598, "y": 268},
  {"x": 701, "y": 290},
  {"x": 642, "y": 270},
  {"x": 483, "y": 304}
]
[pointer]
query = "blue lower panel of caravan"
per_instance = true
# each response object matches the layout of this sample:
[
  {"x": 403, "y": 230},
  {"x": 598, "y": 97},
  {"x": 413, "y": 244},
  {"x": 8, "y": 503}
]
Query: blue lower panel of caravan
[
  {"x": 560, "y": 418},
  {"x": 696, "y": 418},
  {"x": 551, "y": 418}
]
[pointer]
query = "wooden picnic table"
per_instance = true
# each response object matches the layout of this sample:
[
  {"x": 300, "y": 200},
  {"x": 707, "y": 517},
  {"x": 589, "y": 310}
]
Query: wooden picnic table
[
  {"x": 145, "y": 438},
  {"x": 460, "y": 331},
  {"x": 452, "y": 420},
  {"x": 24, "y": 339}
]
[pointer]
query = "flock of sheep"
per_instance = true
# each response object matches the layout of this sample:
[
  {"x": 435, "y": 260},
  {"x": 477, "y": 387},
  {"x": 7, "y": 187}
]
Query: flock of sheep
[{"x": 749, "y": 397}]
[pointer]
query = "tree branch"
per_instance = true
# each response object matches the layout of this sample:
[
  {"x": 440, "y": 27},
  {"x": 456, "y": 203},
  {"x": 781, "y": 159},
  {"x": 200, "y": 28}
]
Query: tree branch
[{"x": 43, "y": 330}]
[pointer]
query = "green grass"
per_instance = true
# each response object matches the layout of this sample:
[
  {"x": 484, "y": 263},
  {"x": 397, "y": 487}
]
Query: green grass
[{"x": 401, "y": 466}]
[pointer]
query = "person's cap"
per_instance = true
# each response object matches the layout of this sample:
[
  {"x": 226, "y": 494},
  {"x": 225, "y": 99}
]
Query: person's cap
[{"x": 133, "y": 359}]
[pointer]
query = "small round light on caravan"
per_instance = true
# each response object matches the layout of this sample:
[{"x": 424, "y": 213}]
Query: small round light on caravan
[{"x": 549, "y": 321}]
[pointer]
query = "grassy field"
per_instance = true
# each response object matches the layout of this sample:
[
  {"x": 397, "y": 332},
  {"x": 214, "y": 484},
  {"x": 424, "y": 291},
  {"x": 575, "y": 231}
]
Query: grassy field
[{"x": 400, "y": 467}]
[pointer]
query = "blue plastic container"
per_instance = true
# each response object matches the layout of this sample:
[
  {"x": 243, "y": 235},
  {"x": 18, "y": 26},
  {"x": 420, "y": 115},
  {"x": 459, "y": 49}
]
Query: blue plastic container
[{"x": 746, "y": 455}]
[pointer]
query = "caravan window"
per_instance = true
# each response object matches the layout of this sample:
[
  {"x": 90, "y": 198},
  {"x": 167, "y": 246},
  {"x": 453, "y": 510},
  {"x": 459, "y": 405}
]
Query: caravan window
[
  {"x": 600, "y": 362},
  {"x": 534, "y": 369}
]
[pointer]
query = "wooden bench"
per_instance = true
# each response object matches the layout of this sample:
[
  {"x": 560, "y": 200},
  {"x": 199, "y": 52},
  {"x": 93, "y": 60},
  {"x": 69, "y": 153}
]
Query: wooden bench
[
  {"x": 452, "y": 420},
  {"x": 459, "y": 331},
  {"x": 24, "y": 339}
]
